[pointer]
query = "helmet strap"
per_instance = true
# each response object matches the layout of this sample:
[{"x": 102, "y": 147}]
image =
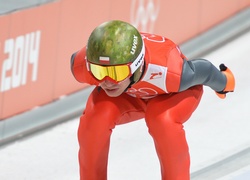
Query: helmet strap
[
  {"x": 132, "y": 80},
  {"x": 131, "y": 83}
]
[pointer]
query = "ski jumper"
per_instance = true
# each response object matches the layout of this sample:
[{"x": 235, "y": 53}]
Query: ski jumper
[{"x": 167, "y": 94}]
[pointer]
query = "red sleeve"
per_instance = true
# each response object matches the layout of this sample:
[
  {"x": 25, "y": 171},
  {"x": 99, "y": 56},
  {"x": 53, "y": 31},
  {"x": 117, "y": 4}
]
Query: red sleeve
[
  {"x": 174, "y": 64},
  {"x": 79, "y": 69}
]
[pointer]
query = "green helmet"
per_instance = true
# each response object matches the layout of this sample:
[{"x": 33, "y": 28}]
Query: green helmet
[{"x": 115, "y": 42}]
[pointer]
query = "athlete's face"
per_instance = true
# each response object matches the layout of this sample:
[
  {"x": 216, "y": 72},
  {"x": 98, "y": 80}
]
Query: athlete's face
[{"x": 114, "y": 89}]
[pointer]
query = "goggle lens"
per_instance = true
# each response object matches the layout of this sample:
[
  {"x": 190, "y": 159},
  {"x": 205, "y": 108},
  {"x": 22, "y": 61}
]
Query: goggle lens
[{"x": 117, "y": 73}]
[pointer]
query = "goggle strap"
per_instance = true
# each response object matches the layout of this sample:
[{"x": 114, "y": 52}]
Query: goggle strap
[
  {"x": 138, "y": 61},
  {"x": 87, "y": 63}
]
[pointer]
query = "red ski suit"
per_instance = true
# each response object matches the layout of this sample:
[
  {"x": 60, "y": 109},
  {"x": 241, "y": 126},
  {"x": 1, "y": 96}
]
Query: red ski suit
[{"x": 162, "y": 97}]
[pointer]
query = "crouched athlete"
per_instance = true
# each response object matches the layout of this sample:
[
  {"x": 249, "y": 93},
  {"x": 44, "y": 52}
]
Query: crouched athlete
[{"x": 140, "y": 75}]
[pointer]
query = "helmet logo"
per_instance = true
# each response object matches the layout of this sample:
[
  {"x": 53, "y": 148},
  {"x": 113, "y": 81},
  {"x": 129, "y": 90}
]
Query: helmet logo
[
  {"x": 104, "y": 60},
  {"x": 134, "y": 46}
]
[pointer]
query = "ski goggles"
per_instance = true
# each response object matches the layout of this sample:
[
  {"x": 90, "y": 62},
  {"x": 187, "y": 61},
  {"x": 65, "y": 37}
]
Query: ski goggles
[{"x": 116, "y": 72}]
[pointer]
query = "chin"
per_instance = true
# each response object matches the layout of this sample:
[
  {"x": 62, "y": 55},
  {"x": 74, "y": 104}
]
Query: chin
[{"x": 113, "y": 94}]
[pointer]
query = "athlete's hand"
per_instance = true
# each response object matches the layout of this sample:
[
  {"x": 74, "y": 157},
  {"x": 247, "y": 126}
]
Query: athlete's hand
[{"x": 230, "y": 81}]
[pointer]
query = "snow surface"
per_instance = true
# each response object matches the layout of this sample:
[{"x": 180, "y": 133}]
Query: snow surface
[{"x": 217, "y": 129}]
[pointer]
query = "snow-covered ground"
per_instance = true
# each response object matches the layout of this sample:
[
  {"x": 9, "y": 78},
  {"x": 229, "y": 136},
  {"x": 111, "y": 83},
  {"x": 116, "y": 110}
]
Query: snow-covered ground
[{"x": 217, "y": 130}]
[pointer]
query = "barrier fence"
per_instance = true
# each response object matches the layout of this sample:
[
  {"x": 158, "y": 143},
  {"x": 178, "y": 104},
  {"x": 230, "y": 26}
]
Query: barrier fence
[{"x": 36, "y": 43}]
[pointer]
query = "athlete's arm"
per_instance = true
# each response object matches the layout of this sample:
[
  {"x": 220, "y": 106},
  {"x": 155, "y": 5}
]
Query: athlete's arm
[
  {"x": 201, "y": 71},
  {"x": 79, "y": 69}
]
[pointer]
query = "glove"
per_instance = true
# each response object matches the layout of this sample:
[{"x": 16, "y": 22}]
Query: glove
[{"x": 230, "y": 81}]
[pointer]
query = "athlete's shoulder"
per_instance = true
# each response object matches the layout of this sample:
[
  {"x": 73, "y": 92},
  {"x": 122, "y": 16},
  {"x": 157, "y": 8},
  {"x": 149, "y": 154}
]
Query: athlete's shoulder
[
  {"x": 79, "y": 68},
  {"x": 156, "y": 39},
  {"x": 164, "y": 62}
]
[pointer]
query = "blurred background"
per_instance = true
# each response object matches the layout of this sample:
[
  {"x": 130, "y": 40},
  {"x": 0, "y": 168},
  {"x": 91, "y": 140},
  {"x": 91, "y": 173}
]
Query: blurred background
[{"x": 40, "y": 101}]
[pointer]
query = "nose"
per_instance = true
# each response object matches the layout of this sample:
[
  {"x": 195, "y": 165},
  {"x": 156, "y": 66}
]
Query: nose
[{"x": 108, "y": 83}]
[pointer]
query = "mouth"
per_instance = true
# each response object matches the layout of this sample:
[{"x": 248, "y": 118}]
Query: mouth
[{"x": 111, "y": 90}]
